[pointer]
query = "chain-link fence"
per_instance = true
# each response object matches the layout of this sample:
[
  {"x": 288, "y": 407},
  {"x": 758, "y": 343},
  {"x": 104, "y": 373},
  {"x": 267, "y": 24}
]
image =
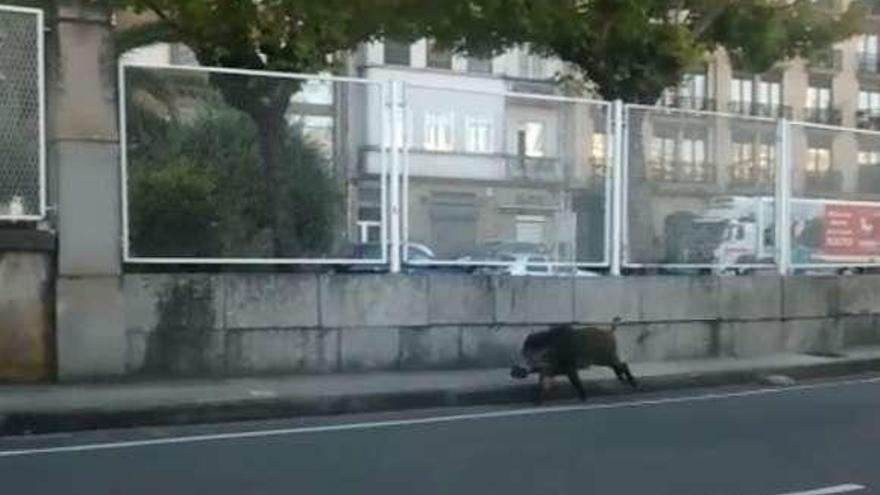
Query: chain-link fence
[
  {"x": 834, "y": 215},
  {"x": 699, "y": 189},
  {"x": 22, "y": 137},
  {"x": 235, "y": 166},
  {"x": 513, "y": 181}
]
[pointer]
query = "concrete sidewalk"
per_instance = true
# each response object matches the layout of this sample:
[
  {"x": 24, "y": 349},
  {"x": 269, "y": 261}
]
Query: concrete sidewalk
[{"x": 52, "y": 408}]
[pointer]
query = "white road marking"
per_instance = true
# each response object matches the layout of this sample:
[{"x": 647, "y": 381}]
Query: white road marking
[
  {"x": 534, "y": 411},
  {"x": 831, "y": 490}
]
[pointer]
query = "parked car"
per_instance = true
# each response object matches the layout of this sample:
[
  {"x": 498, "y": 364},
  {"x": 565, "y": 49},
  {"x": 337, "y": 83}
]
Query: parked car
[
  {"x": 502, "y": 251},
  {"x": 415, "y": 253}
]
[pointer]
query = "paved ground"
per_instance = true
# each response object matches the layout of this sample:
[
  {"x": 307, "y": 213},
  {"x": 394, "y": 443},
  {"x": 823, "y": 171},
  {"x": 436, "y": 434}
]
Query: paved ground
[
  {"x": 737, "y": 440},
  {"x": 75, "y": 407}
]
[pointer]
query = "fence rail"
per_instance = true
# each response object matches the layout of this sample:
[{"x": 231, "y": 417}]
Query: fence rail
[
  {"x": 399, "y": 174},
  {"x": 22, "y": 115}
]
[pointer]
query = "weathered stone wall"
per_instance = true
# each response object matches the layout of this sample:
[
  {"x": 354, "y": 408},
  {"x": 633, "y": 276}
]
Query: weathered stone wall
[
  {"x": 26, "y": 305},
  {"x": 307, "y": 323}
]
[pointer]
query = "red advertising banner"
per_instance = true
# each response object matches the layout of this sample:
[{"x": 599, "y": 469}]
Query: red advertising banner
[{"x": 851, "y": 230}]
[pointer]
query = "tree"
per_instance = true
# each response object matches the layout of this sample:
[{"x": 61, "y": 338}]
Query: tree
[
  {"x": 633, "y": 50},
  {"x": 277, "y": 35},
  {"x": 194, "y": 191}
]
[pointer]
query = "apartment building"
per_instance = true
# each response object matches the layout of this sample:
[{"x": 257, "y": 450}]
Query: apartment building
[{"x": 492, "y": 157}]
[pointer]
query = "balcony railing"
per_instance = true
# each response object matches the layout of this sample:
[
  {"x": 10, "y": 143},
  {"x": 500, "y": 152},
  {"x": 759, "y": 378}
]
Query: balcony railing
[
  {"x": 869, "y": 63},
  {"x": 537, "y": 169},
  {"x": 826, "y": 61},
  {"x": 680, "y": 172},
  {"x": 872, "y": 6},
  {"x": 826, "y": 115},
  {"x": 869, "y": 179},
  {"x": 760, "y": 109},
  {"x": 690, "y": 103},
  {"x": 829, "y": 181},
  {"x": 868, "y": 119}
]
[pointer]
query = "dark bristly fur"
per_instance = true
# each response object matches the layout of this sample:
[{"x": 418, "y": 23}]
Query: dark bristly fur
[{"x": 565, "y": 349}]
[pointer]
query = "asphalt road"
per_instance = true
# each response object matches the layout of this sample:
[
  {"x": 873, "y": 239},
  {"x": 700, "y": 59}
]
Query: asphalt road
[{"x": 739, "y": 441}]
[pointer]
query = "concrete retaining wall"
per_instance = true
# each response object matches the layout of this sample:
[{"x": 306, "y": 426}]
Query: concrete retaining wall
[
  {"x": 26, "y": 305},
  {"x": 307, "y": 323}
]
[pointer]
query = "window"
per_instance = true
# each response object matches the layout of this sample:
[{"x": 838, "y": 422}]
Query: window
[
  {"x": 743, "y": 161},
  {"x": 869, "y": 52},
  {"x": 690, "y": 94},
  {"x": 314, "y": 93},
  {"x": 530, "y": 228},
  {"x": 531, "y": 66},
  {"x": 869, "y": 45},
  {"x": 818, "y": 161},
  {"x": 869, "y": 102},
  {"x": 599, "y": 153},
  {"x": 369, "y": 231},
  {"x": 767, "y": 160},
  {"x": 818, "y": 97},
  {"x": 663, "y": 162},
  {"x": 694, "y": 87},
  {"x": 438, "y": 131},
  {"x": 530, "y": 139},
  {"x": 439, "y": 58},
  {"x": 317, "y": 130},
  {"x": 397, "y": 52},
  {"x": 741, "y": 91},
  {"x": 753, "y": 161},
  {"x": 693, "y": 160},
  {"x": 769, "y": 93},
  {"x": 479, "y": 65},
  {"x": 478, "y": 138},
  {"x": 871, "y": 158},
  {"x": 679, "y": 159}
]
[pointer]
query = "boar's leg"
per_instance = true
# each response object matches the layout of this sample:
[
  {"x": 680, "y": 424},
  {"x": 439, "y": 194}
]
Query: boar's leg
[
  {"x": 624, "y": 369},
  {"x": 575, "y": 380}
]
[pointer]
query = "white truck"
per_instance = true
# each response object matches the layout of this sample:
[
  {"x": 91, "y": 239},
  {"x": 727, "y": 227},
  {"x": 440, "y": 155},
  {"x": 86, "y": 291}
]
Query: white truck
[{"x": 823, "y": 230}]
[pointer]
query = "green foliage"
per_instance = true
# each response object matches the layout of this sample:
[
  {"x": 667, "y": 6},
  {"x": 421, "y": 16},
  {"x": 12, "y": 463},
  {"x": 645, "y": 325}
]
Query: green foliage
[
  {"x": 634, "y": 49},
  {"x": 172, "y": 210},
  {"x": 196, "y": 188}
]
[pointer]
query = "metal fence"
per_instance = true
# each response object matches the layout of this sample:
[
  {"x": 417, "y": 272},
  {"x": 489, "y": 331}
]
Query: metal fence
[
  {"x": 22, "y": 115},
  {"x": 834, "y": 206},
  {"x": 700, "y": 189},
  {"x": 508, "y": 181},
  {"x": 234, "y": 166}
]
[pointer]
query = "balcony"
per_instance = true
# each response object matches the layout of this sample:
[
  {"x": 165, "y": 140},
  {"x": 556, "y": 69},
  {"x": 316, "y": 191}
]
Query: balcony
[
  {"x": 829, "y": 181},
  {"x": 869, "y": 179},
  {"x": 681, "y": 172},
  {"x": 754, "y": 177},
  {"x": 760, "y": 109},
  {"x": 868, "y": 119},
  {"x": 872, "y": 6},
  {"x": 690, "y": 103},
  {"x": 826, "y": 115},
  {"x": 532, "y": 86},
  {"x": 828, "y": 61},
  {"x": 833, "y": 6},
  {"x": 869, "y": 63},
  {"x": 534, "y": 169}
]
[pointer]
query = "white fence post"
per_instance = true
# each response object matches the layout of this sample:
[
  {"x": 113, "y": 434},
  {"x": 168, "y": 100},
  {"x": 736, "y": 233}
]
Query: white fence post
[
  {"x": 783, "y": 197},
  {"x": 396, "y": 107},
  {"x": 617, "y": 190}
]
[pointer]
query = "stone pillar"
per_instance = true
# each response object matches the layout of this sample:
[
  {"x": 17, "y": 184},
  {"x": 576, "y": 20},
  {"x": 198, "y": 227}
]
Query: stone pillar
[{"x": 83, "y": 154}]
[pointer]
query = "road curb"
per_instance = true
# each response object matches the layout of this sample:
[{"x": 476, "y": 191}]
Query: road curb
[{"x": 68, "y": 420}]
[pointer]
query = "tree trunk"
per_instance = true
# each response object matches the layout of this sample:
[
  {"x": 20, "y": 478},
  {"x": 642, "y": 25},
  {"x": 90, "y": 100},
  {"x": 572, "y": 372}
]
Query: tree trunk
[
  {"x": 271, "y": 127},
  {"x": 644, "y": 245}
]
